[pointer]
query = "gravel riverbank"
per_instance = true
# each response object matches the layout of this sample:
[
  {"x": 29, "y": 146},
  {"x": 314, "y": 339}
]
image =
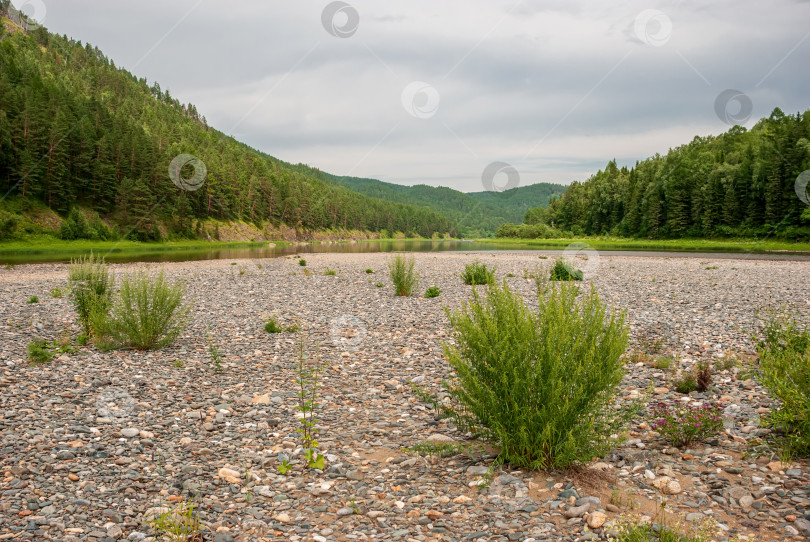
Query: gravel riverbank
[{"x": 92, "y": 444}]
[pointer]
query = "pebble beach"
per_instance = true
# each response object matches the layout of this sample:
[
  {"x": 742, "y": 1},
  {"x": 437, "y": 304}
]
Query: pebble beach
[{"x": 94, "y": 445}]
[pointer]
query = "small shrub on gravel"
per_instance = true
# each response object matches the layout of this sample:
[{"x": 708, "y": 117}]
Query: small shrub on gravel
[
  {"x": 147, "y": 314},
  {"x": 629, "y": 529},
  {"x": 477, "y": 273},
  {"x": 684, "y": 424},
  {"x": 433, "y": 291},
  {"x": 564, "y": 271},
  {"x": 33, "y": 299},
  {"x": 90, "y": 284},
  {"x": 330, "y": 272},
  {"x": 369, "y": 271},
  {"x": 784, "y": 369},
  {"x": 379, "y": 285},
  {"x": 703, "y": 377},
  {"x": 56, "y": 292},
  {"x": 686, "y": 384},
  {"x": 403, "y": 275},
  {"x": 540, "y": 385},
  {"x": 272, "y": 326},
  {"x": 40, "y": 351},
  {"x": 178, "y": 524},
  {"x": 302, "y": 262}
]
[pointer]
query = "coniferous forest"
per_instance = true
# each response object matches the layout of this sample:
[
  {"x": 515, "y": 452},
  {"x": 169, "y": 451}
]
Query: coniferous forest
[
  {"x": 75, "y": 130},
  {"x": 738, "y": 184}
]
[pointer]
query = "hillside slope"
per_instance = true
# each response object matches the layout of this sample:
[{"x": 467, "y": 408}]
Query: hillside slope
[{"x": 75, "y": 129}]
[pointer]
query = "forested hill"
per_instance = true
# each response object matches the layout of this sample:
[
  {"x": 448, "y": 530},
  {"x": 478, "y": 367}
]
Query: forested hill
[
  {"x": 477, "y": 214},
  {"x": 740, "y": 183},
  {"x": 76, "y": 129}
]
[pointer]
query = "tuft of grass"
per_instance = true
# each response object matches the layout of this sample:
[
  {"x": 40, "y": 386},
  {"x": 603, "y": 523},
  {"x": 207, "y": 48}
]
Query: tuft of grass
[
  {"x": 56, "y": 293},
  {"x": 307, "y": 272},
  {"x": 510, "y": 275},
  {"x": 369, "y": 271},
  {"x": 90, "y": 285},
  {"x": 477, "y": 273},
  {"x": 147, "y": 314},
  {"x": 686, "y": 384},
  {"x": 33, "y": 299},
  {"x": 433, "y": 291},
  {"x": 272, "y": 326},
  {"x": 403, "y": 275},
  {"x": 178, "y": 524},
  {"x": 564, "y": 271},
  {"x": 379, "y": 284},
  {"x": 784, "y": 369},
  {"x": 39, "y": 351},
  {"x": 539, "y": 384},
  {"x": 302, "y": 262},
  {"x": 330, "y": 272},
  {"x": 664, "y": 363}
]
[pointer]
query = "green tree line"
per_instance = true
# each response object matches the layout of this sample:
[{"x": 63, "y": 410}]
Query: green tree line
[
  {"x": 738, "y": 184},
  {"x": 77, "y": 130}
]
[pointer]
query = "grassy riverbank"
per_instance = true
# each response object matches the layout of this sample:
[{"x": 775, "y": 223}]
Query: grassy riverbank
[{"x": 686, "y": 245}]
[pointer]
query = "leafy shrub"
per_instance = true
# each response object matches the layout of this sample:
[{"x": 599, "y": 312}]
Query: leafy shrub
[
  {"x": 272, "y": 326},
  {"x": 477, "y": 273},
  {"x": 302, "y": 262},
  {"x": 40, "y": 351},
  {"x": 686, "y": 384},
  {"x": 90, "y": 284},
  {"x": 563, "y": 270},
  {"x": 433, "y": 291},
  {"x": 33, "y": 299},
  {"x": 403, "y": 275},
  {"x": 330, "y": 272},
  {"x": 541, "y": 384},
  {"x": 147, "y": 314},
  {"x": 369, "y": 271},
  {"x": 684, "y": 424},
  {"x": 76, "y": 226},
  {"x": 784, "y": 369}
]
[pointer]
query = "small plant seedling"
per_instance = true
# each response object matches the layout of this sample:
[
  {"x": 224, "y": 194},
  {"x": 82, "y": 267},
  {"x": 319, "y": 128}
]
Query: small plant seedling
[
  {"x": 258, "y": 266},
  {"x": 272, "y": 326},
  {"x": 293, "y": 328},
  {"x": 330, "y": 272},
  {"x": 56, "y": 292},
  {"x": 233, "y": 263},
  {"x": 241, "y": 271},
  {"x": 510, "y": 275},
  {"x": 433, "y": 291},
  {"x": 302, "y": 262},
  {"x": 369, "y": 271},
  {"x": 712, "y": 267},
  {"x": 82, "y": 339},
  {"x": 178, "y": 364},
  {"x": 284, "y": 467},
  {"x": 543, "y": 257},
  {"x": 214, "y": 355},
  {"x": 307, "y": 272},
  {"x": 40, "y": 351},
  {"x": 308, "y": 380},
  {"x": 33, "y": 299},
  {"x": 379, "y": 285}
]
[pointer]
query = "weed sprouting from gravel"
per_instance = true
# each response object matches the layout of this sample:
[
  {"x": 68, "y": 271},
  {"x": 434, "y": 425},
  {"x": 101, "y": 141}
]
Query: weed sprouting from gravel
[
  {"x": 302, "y": 262},
  {"x": 39, "y": 351},
  {"x": 564, "y": 271},
  {"x": 330, "y": 272},
  {"x": 477, "y": 273},
  {"x": 433, "y": 291},
  {"x": 90, "y": 285},
  {"x": 272, "y": 326},
  {"x": 309, "y": 373},
  {"x": 33, "y": 299},
  {"x": 403, "y": 275}
]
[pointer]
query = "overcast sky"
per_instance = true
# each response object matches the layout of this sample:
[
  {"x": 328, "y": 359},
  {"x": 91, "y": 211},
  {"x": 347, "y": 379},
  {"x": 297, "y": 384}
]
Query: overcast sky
[{"x": 433, "y": 92}]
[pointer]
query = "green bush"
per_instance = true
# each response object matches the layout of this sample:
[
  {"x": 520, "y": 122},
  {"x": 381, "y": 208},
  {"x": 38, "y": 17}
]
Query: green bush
[
  {"x": 330, "y": 272},
  {"x": 403, "y": 275},
  {"x": 686, "y": 384},
  {"x": 539, "y": 385},
  {"x": 369, "y": 271},
  {"x": 147, "y": 314},
  {"x": 33, "y": 299},
  {"x": 477, "y": 273},
  {"x": 564, "y": 271},
  {"x": 39, "y": 351},
  {"x": 302, "y": 262},
  {"x": 433, "y": 291},
  {"x": 90, "y": 284},
  {"x": 272, "y": 326},
  {"x": 56, "y": 293},
  {"x": 784, "y": 369},
  {"x": 76, "y": 226}
]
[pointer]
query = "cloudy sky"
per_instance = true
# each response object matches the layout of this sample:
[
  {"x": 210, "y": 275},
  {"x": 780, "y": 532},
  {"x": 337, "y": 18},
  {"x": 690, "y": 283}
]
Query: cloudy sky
[{"x": 433, "y": 92}]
